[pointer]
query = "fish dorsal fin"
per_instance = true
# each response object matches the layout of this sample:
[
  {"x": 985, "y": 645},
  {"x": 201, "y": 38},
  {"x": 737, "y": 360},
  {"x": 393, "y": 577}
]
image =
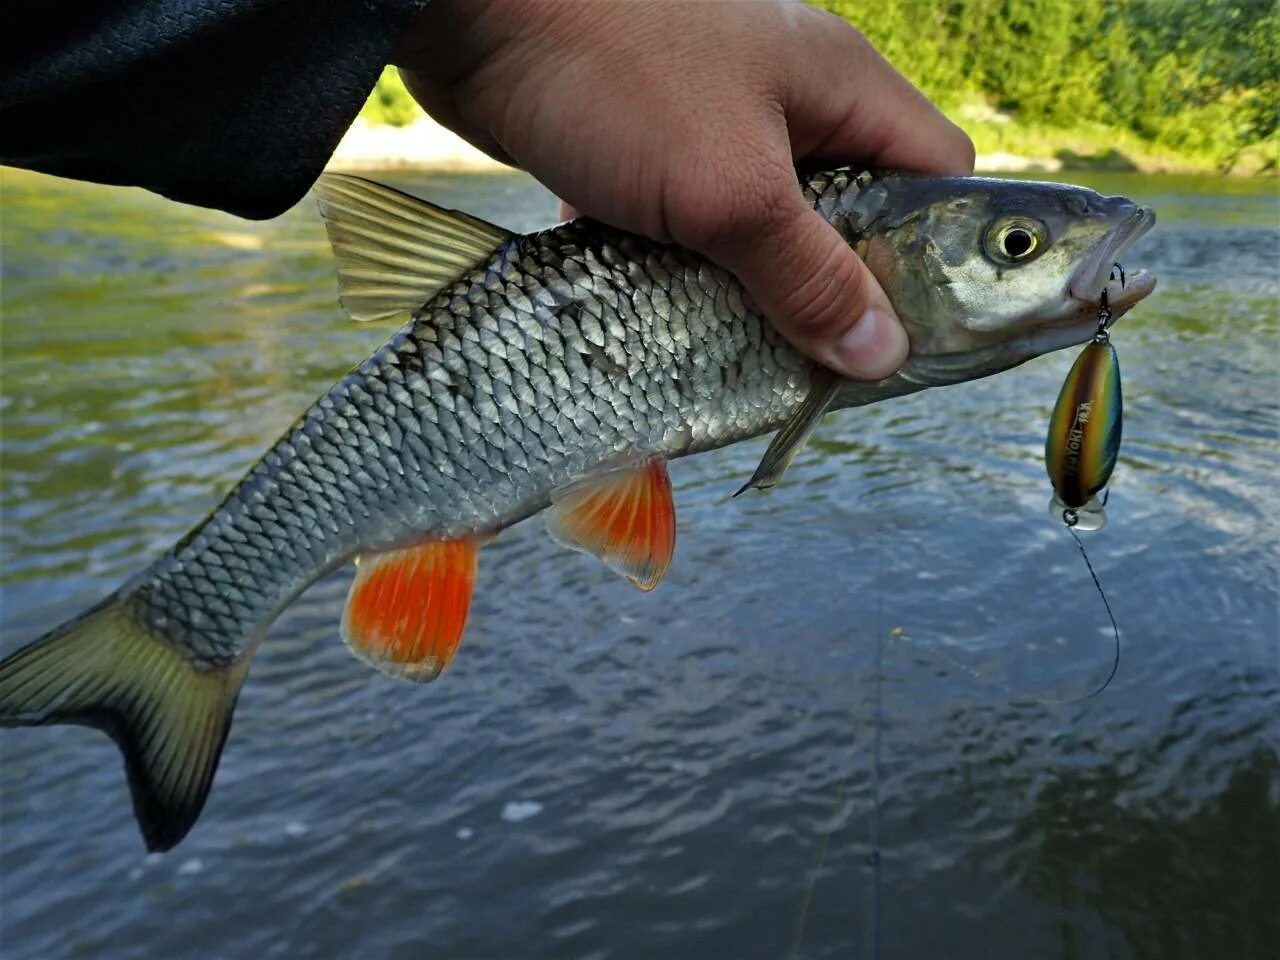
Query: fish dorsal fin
[
  {"x": 407, "y": 608},
  {"x": 625, "y": 516},
  {"x": 796, "y": 432},
  {"x": 394, "y": 251}
]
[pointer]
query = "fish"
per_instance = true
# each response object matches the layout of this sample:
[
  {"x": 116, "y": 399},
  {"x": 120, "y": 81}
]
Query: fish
[{"x": 556, "y": 372}]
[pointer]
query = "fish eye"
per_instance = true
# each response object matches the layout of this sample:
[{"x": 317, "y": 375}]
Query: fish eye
[
  {"x": 1015, "y": 240},
  {"x": 1017, "y": 243}
]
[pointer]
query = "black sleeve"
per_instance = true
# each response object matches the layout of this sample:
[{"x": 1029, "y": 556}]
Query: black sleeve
[{"x": 234, "y": 104}]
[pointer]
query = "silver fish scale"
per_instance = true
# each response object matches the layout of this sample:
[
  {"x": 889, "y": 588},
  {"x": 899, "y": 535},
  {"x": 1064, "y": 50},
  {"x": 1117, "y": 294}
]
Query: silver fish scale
[{"x": 570, "y": 350}]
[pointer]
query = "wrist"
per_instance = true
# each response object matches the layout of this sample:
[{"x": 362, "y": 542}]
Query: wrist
[{"x": 451, "y": 40}]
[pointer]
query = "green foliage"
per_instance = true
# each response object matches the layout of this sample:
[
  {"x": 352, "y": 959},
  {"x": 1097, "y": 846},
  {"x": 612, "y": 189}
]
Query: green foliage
[
  {"x": 390, "y": 102},
  {"x": 1198, "y": 80}
]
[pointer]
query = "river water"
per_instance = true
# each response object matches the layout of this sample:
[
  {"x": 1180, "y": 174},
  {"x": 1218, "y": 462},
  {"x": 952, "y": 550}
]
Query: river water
[{"x": 692, "y": 772}]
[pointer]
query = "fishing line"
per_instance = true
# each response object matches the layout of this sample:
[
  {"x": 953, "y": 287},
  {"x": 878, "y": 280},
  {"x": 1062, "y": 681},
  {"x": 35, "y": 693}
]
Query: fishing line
[
  {"x": 1081, "y": 450},
  {"x": 1007, "y": 688},
  {"x": 1082, "y": 447},
  {"x": 1080, "y": 453},
  {"x": 814, "y": 872},
  {"x": 874, "y": 858},
  {"x": 1115, "y": 629}
]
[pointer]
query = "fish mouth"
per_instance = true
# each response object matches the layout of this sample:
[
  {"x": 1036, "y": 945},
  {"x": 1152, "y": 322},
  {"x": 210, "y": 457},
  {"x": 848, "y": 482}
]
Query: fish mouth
[
  {"x": 1093, "y": 275},
  {"x": 1078, "y": 319},
  {"x": 1081, "y": 321},
  {"x": 1136, "y": 286}
]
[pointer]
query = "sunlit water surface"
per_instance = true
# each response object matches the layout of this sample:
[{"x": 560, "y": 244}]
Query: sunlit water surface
[{"x": 609, "y": 774}]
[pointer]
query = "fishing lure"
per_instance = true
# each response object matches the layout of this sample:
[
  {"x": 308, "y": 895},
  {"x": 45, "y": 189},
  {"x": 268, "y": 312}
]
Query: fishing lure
[
  {"x": 1080, "y": 454},
  {"x": 1082, "y": 446},
  {"x": 1084, "y": 431}
]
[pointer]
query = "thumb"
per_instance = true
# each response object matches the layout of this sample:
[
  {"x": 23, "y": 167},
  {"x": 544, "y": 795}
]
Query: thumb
[{"x": 816, "y": 290}]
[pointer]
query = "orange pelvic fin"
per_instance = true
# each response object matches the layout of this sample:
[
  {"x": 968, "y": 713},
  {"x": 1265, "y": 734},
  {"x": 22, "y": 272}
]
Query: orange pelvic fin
[
  {"x": 407, "y": 608},
  {"x": 625, "y": 516}
]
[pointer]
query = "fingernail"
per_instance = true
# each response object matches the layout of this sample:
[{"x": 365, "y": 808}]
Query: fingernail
[{"x": 875, "y": 347}]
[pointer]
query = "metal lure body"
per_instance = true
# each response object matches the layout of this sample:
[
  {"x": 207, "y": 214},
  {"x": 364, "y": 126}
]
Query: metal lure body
[{"x": 1084, "y": 435}]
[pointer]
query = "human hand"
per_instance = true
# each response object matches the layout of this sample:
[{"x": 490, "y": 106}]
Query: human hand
[{"x": 682, "y": 121}]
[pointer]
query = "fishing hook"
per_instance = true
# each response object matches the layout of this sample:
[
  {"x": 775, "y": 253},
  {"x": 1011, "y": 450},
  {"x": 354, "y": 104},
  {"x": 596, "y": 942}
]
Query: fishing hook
[
  {"x": 1104, "y": 319},
  {"x": 1104, "y": 306}
]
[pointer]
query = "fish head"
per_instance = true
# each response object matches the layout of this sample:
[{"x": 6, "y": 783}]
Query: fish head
[{"x": 986, "y": 274}]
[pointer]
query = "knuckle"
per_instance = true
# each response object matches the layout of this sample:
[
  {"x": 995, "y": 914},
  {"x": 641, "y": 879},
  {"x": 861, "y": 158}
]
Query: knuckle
[
  {"x": 855, "y": 40},
  {"x": 826, "y": 303},
  {"x": 731, "y": 211},
  {"x": 830, "y": 25}
]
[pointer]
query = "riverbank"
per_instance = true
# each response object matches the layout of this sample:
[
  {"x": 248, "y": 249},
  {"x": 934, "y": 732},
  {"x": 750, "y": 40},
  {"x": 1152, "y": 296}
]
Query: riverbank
[{"x": 426, "y": 145}]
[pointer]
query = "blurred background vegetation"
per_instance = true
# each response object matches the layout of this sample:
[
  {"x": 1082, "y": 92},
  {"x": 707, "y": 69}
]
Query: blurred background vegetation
[
  {"x": 1116, "y": 84},
  {"x": 390, "y": 102}
]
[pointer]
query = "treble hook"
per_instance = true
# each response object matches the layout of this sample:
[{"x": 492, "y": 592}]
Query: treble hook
[{"x": 1104, "y": 319}]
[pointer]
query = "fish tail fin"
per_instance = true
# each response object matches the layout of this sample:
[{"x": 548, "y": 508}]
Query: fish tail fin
[{"x": 110, "y": 670}]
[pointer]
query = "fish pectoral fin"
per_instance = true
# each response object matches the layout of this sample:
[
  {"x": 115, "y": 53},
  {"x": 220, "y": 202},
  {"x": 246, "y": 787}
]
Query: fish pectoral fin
[
  {"x": 796, "y": 432},
  {"x": 625, "y": 516},
  {"x": 393, "y": 251},
  {"x": 407, "y": 608}
]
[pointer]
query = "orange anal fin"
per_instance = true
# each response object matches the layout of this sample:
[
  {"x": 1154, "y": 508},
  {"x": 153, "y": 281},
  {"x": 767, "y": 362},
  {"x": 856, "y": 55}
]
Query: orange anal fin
[
  {"x": 407, "y": 608},
  {"x": 625, "y": 516}
]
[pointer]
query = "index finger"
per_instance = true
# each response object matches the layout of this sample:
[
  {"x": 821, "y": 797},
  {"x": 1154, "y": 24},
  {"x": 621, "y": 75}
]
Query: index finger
[{"x": 868, "y": 111}]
